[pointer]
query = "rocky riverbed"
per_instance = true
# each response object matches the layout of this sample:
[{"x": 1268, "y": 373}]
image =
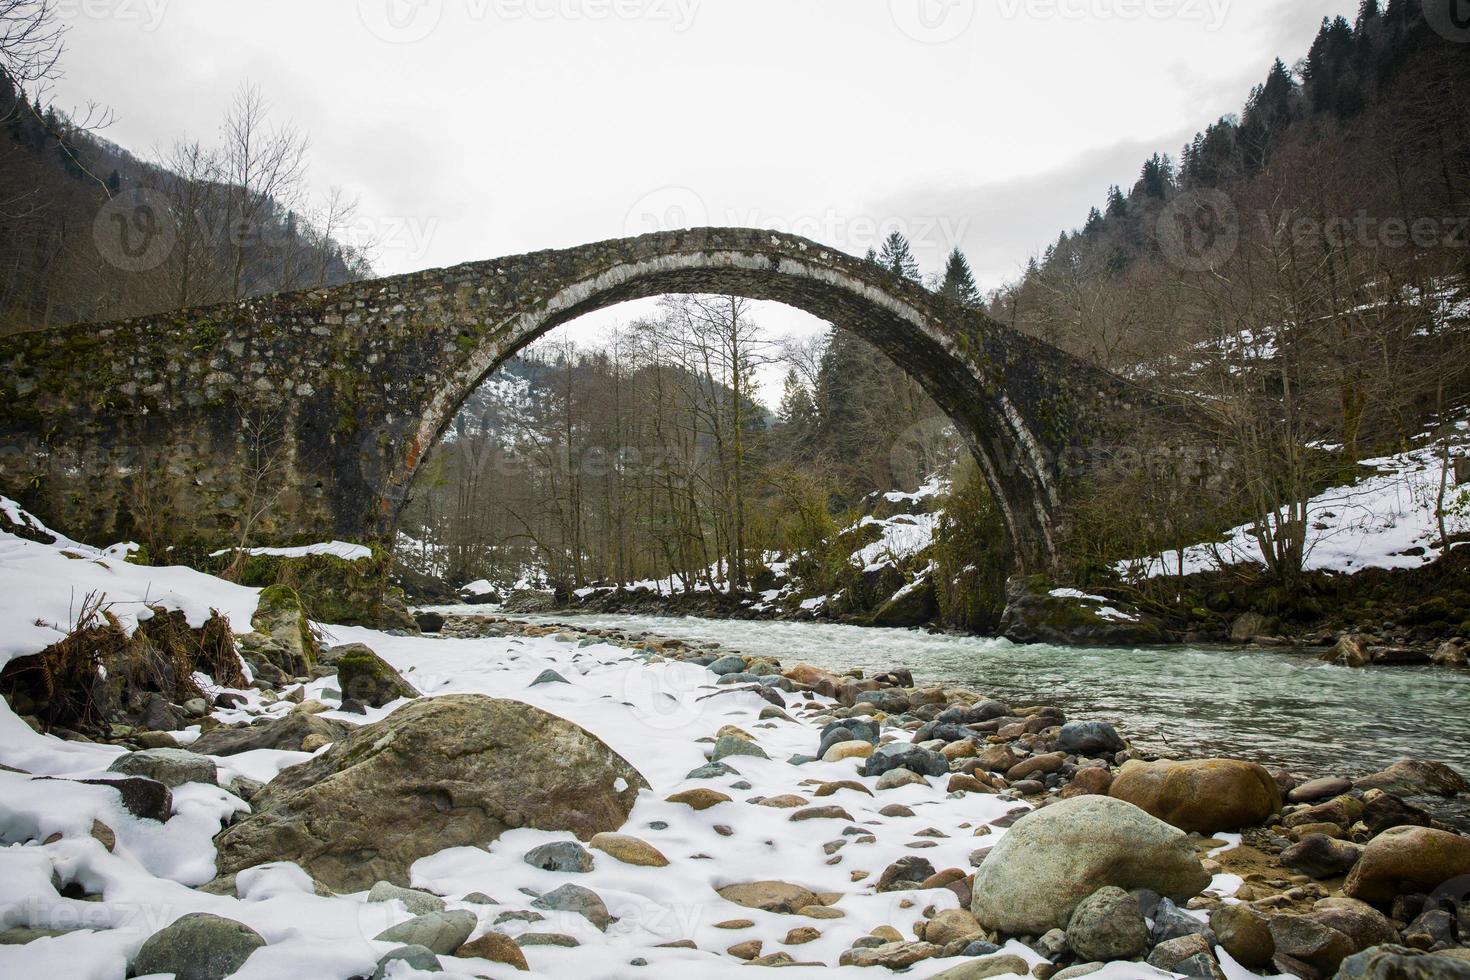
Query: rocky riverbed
[{"x": 501, "y": 798}]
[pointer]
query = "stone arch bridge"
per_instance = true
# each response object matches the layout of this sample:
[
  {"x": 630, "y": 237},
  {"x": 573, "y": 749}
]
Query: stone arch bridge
[{"x": 323, "y": 404}]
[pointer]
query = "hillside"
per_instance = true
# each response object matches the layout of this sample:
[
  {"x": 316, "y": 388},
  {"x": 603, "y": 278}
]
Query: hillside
[{"x": 91, "y": 232}]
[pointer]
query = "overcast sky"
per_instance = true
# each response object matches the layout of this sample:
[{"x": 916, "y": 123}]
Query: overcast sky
[{"x": 477, "y": 128}]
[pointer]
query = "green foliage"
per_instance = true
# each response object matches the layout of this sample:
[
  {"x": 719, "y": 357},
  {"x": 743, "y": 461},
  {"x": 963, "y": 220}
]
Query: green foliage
[
  {"x": 959, "y": 281},
  {"x": 972, "y": 556},
  {"x": 329, "y": 589}
]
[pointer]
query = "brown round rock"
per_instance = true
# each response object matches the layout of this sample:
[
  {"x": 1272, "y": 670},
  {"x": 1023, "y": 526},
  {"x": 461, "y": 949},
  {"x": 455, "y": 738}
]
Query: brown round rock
[
  {"x": 1205, "y": 796},
  {"x": 1405, "y": 860},
  {"x": 495, "y": 947}
]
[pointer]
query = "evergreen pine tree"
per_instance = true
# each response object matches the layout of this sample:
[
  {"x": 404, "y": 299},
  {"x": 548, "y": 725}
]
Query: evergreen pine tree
[
  {"x": 897, "y": 258},
  {"x": 1117, "y": 203},
  {"x": 959, "y": 281},
  {"x": 1094, "y": 222}
]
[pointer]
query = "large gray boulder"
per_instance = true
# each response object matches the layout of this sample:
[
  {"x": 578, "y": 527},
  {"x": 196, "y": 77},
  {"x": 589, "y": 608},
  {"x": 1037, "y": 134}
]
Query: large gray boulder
[
  {"x": 171, "y": 767},
  {"x": 1108, "y": 925},
  {"x": 366, "y": 677},
  {"x": 1400, "y": 963},
  {"x": 1053, "y": 858},
  {"x": 458, "y": 770},
  {"x": 197, "y": 946},
  {"x": 442, "y": 932},
  {"x": 1037, "y": 613},
  {"x": 285, "y": 733}
]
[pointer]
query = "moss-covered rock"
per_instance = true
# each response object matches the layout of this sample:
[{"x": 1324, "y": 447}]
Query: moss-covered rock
[
  {"x": 913, "y": 605},
  {"x": 364, "y": 676},
  {"x": 283, "y": 637},
  {"x": 1038, "y": 613},
  {"x": 340, "y": 591}
]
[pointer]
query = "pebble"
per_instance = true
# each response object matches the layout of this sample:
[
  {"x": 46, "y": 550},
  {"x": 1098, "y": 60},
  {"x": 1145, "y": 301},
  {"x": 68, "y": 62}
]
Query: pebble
[
  {"x": 417, "y": 902},
  {"x": 629, "y": 850},
  {"x": 699, "y": 799},
  {"x": 575, "y": 898}
]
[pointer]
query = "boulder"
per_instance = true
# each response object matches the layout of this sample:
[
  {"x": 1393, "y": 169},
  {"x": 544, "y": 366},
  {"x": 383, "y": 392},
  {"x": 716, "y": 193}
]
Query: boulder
[
  {"x": 1359, "y": 921},
  {"x": 1407, "y": 859},
  {"x": 1312, "y": 942},
  {"x": 440, "y": 772},
  {"x": 629, "y": 850},
  {"x": 893, "y": 956},
  {"x": 417, "y": 902},
  {"x": 1244, "y": 935},
  {"x": 1108, "y": 925},
  {"x": 283, "y": 636},
  {"x": 952, "y": 925},
  {"x": 1205, "y": 796},
  {"x": 1415, "y": 777},
  {"x": 366, "y": 677},
  {"x": 770, "y": 896},
  {"x": 904, "y": 874},
  {"x": 1390, "y": 962},
  {"x": 1349, "y": 651},
  {"x": 1316, "y": 790},
  {"x": 565, "y": 856},
  {"x": 197, "y": 946},
  {"x": 442, "y": 932},
  {"x": 1036, "y": 613},
  {"x": 1053, "y": 858},
  {"x": 574, "y": 898},
  {"x": 1248, "y": 626},
  {"x": 171, "y": 767},
  {"x": 1321, "y": 857},
  {"x": 1089, "y": 738},
  {"x": 287, "y": 733},
  {"x": 417, "y": 958},
  {"x": 145, "y": 798},
  {"x": 497, "y": 948},
  {"x": 905, "y": 755},
  {"x": 916, "y": 604},
  {"x": 1383, "y": 811},
  {"x": 1451, "y": 653},
  {"x": 985, "y": 967}
]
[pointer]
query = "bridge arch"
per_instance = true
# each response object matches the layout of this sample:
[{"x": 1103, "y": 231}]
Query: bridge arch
[
  {"x": 361, "y": 381},
  {"x": 910, "y": 332}
]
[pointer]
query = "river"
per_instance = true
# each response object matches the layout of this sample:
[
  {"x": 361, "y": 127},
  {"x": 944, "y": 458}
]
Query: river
[{"x": 1276, "y": 707}]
